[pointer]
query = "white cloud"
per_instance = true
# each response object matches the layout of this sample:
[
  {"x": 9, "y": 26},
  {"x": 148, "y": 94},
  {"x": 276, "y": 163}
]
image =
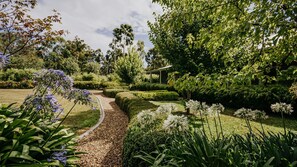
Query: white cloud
[{"x": 94, "y": 20}]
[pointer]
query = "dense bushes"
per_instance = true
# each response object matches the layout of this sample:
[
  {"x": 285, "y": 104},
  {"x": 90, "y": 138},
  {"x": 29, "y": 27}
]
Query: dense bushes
[
  {"x": 113, "y": 92},
  {"x": 255, "y": 97},
  {"x": 144, "y": 86},
  {"x": 17, "y": 74},
  {"x": 87, "y": 85},
  {"x": 16, "y": 85},
  {"x": 157, "y": 95}
]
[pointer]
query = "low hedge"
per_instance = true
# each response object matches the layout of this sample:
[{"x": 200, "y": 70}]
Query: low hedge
[
  {"x": 113, "y": 92},
  {"x": 87, "y": 85},
  {"x": 131, "y": 104},
  {"x": 146, "y": 86},
  {"x": 136, "y": 139},
  {"x": 16, "y": 85},
  {"x": 157, "y": 95},
  {"x": 255, "y": 97},
  {"x": 110, "y": 84}
]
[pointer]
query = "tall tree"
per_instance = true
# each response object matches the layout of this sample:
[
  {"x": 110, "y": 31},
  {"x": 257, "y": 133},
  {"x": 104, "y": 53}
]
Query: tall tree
[
  {"x": 122, "y": 39},
  {"x": 257, "y": 38},
  {"x": 154, "y": 59},
  {"x": 19, "y": 31}
]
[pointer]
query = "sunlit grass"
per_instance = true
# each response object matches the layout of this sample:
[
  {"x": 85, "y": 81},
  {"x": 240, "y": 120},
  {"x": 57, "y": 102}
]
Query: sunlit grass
[
  {"x": 233, "y": 124},
  {"x": 81, "y": 117}
]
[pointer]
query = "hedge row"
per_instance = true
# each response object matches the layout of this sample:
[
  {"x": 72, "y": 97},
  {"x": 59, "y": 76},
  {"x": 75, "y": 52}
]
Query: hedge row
[
  {"x": 255, "y": 97},
  {"x": 87, "y": 85},
  {"x": 145, "y": 86},
  {"x": 16, "y": 85},
  {"x": 17, "y": 75},
  {"x": 131, "y": 104},
  {"x": 157, "y": 95},
  {"x": 113, "y": 92},
  {"x": 136, "y": 139}
]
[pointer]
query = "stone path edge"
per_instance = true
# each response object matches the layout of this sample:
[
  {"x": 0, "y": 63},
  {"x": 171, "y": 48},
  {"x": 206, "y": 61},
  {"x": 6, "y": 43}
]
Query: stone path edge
[{"x": 102, "y": 116}]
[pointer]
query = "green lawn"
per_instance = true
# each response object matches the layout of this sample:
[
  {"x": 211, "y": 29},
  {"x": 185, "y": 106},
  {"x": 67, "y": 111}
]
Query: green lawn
[
  {"x": 81, "y": 118},
  {"x": 233, "y": 124}
]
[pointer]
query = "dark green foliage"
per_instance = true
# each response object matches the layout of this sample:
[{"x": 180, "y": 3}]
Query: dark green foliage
[
  {"x": 113, "y": 92},
  {"x": 28, "y": 140},
  {"x": 137, "y": 141},
  {"x": 196, "y": 149},
  {"x": 88, "y": 85},
  {"x": 255, "y": 97},
  {"x": 132, "y": 104},
  {"x": 157, "y": 95},
  {"x": 16, "y": 85},
  {"x": 144, "y": 86},
  {"x": 17, "y": 74}
]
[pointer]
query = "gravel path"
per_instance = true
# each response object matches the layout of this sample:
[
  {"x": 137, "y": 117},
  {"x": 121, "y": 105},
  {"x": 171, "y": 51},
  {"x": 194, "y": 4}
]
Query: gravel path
[{"x": 105, "y": 144}]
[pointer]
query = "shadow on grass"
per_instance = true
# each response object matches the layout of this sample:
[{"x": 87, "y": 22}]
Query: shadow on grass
[
  {"x": 82, "y": 119},
  {"x": 274, "y": 120}
]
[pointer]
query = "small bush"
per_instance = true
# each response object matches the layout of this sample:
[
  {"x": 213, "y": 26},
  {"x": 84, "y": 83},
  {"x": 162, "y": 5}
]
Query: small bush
[
  {"x": 87, "y": 85},
  {"x": 113, "y": 92},
  {"x": 157, "y": 95},
  {"x": 155, "y": 78},
  {"x": 16, "y": 85},
  {"x": 145, "y": 86}
]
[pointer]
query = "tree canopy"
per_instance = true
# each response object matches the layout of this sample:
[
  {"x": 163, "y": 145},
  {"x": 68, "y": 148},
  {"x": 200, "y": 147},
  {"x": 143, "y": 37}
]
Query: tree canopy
[{"x": 250, "y": 36}]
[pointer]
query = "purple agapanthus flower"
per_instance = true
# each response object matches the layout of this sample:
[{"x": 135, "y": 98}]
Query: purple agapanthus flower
[
  {"x": 60, "y": 156},
  {"x": 4, "y": 60},
  {"x": 55, "y": 80},
  {"x": 80, "y": 96}
]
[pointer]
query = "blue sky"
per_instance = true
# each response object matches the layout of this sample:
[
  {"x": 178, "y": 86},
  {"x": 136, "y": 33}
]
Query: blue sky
[{"x": 94, "y": 20}]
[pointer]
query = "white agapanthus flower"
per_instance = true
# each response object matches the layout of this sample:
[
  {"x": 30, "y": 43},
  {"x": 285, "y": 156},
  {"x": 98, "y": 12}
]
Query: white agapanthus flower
[
  {"x": 259, "y": 114},
  {"x": 146, "y": 117},
  {"x": 282, "y": 107},
  {"x": 166, "y": 108},
  {"x": 245, "y": 113},
  {"x": 175, "y": 123},
  {"x": 215, "y": 109},
  {"x": 196, "y": 106}
]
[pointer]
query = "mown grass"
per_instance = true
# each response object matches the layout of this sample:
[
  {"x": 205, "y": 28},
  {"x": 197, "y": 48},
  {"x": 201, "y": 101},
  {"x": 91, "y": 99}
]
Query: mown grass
[
  {"x": 232, "y": 124},
  {"x": 81, "y": 117}
]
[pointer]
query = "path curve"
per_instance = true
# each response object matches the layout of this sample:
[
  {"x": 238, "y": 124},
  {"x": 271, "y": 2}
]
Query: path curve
[{"x": 105, "y": 144}]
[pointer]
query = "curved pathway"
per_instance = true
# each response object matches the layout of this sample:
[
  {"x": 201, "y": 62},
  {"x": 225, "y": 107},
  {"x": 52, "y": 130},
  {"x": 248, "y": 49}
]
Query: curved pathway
[{"x": 104, "y": 145}]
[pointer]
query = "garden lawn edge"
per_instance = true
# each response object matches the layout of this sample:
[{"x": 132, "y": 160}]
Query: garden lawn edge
[{"x": 100, "y": 120}]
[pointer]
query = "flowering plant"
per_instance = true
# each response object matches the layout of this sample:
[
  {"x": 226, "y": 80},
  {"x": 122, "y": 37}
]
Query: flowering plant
[
  {"x": 146, "y": 118},
  {"x": 175, "y": 123}
]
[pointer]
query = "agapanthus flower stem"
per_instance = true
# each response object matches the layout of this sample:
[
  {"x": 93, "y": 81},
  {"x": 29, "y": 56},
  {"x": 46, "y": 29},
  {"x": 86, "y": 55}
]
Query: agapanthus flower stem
[
  {"x": 202, "y": 122},
  {"x": 285, "y": 131},
  {"x": 219, "y": 117},
  {"x": 208, "y": 126},
  {"x": 217, "y": 132},
  {"x": 59, "y": 125}
]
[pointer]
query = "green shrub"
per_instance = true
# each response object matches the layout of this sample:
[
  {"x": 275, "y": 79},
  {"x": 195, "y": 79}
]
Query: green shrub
[
  {"x": 16, "y": 85},
  {"x": 113, "y": 92},
  {"x": 87, "y": 85},
  {"x": 132, "y": 104},
  {"x": 17, "y": 75},
  {"x": 157, "y": 95},
  {"x": 155, "y": 78},
  {"x": 110, "y": 84},
  {"x": 145, "y": 86},
  {"x": 254, "y": 97}
]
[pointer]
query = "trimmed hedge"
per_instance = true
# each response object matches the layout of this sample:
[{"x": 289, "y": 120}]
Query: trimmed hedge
[
  {"x": 145, "y": 86},
  {"x": 87, "y": 85},
  {"x": 132, "y": 104},
  {"x": 16, "y": 85},
  {"x": 254, "y": 97},
  {"x": 113, "y": 92},
  {"x": 157, "y": 95}
]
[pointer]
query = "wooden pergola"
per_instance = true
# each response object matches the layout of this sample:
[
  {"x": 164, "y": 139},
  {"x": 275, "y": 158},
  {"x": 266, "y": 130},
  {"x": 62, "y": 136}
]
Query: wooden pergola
[{"x": 161, "y": 71}]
